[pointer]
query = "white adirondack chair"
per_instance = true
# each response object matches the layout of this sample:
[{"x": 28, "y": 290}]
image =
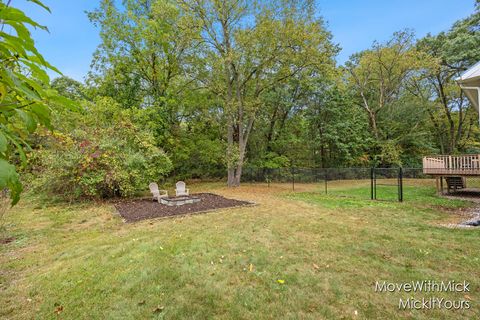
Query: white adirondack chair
[
  {"x": 156, "y": 193},
  {"x": 180, "y": 189}
]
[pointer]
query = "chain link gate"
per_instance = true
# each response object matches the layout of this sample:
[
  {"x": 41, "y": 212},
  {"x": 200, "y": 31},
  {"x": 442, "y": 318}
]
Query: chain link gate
[{"x": 386, "y": 175}]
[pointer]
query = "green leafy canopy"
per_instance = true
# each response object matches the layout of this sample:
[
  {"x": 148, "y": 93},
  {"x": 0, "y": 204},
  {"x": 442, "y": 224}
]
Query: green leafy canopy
[{"x": 25, "y": 94}]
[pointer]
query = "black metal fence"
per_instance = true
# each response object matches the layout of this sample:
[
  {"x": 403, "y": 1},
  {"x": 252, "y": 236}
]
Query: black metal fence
[
  {"x": 373, "y": 183},
  {"x": 309, "y": 175}
]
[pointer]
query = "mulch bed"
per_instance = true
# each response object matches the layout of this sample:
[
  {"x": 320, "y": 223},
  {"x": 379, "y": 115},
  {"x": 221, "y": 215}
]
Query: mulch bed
[{"x": 141, "y": 209}]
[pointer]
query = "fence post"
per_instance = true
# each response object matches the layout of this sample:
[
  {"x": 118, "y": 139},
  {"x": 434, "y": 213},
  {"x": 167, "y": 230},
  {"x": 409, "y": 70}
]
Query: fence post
[
  {"x": 268, "y": 177},
  {"x": 326, "y": 180},
  {"x": 400, "y": 184},
  {"x": 373, "y": 185},
  {"x": 293, "y": 178}
]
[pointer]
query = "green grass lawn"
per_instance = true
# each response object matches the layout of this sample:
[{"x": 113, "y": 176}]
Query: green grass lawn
[{"x": 296, "y": 255}]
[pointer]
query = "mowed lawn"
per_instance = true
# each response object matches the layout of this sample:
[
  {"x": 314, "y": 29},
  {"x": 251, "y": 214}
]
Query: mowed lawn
[{"x": 296, "y": 255}]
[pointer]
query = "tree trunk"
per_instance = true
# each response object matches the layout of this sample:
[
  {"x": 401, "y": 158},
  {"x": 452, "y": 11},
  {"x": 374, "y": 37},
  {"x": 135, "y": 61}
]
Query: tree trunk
[
  {"x": 373, "y": 123},
  {"x": 238, "y": 174},
  {"x": 231, "y": 177},
  {"x": 228, "y": 105},
  {"x": 451, "y": 123},
  {"x": 230, "y": 164},
  {"x": 235, "y": 172},
  {"x": 271, "y": 129}
]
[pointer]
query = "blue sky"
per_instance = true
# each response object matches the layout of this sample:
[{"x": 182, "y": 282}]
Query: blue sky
[{"x": 355, "y": 24}]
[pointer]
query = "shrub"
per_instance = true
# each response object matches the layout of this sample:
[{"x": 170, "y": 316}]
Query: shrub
[{"x": 98, "y": 154}]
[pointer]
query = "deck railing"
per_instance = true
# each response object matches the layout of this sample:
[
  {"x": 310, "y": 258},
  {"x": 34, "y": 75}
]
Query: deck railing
[{"x": 468, "y": 164}]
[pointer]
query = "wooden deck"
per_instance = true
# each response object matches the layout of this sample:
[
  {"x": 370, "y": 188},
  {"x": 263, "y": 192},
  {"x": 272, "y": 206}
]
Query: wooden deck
[{"x": 458, "y": 165}]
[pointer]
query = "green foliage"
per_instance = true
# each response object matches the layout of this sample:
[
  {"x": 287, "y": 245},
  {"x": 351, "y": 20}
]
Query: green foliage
[
  {"x": 338, "y": 131},
  {"x": 69, "y": 88},
  {"x": 274, "y": 161},
  {"x": 249, "y": 50},
  {"x": 408, "y": 138},
  {"x": 453, "y": 123},
  {"x": 378, "y": 76},
  {"x": 219, "y": 84},
  {"x": 225, "y": 83},
  {"x": 100, "y": 154},
  {"x": 460, "y": 43},
  {"x": 408, "y": 92},
  {"x": 145, "y": 48},
  {"x": 198, "y": 154},
  {"x": 25, "y": 96}
]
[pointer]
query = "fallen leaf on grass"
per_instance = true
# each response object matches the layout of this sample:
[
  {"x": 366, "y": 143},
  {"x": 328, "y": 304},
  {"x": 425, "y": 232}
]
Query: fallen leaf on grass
[
  {"x": 315, "y": 266},
  {"x": 58, "y": 309},
  {"x": 251, "y": 267},
  {"x": 158, "y": 309}
]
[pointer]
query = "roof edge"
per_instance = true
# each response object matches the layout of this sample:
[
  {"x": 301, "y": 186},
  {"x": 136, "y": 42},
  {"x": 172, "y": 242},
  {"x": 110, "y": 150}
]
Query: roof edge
[{"x": 471, "y": 69}]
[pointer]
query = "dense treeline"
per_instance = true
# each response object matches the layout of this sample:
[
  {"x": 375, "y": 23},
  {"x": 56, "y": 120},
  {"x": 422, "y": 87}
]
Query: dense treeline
[{"x": 205, "y": 88}]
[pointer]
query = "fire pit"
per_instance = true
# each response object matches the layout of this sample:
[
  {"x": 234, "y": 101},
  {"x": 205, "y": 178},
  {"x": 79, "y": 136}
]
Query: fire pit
[
  {"x": 179, "y": 201},
  {"x": 133, "y": 210}
]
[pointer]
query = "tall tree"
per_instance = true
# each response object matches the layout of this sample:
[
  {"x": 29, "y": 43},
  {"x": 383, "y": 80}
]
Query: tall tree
[
  {"x": 337, "y": 130},
  {"x": 250, "y": 48},
  {"x": 450, "y": 53},
  {"x": 379, "y": 78},
  {"x": 146, "y": 48},
  {"x": 379, "y": 74}
]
